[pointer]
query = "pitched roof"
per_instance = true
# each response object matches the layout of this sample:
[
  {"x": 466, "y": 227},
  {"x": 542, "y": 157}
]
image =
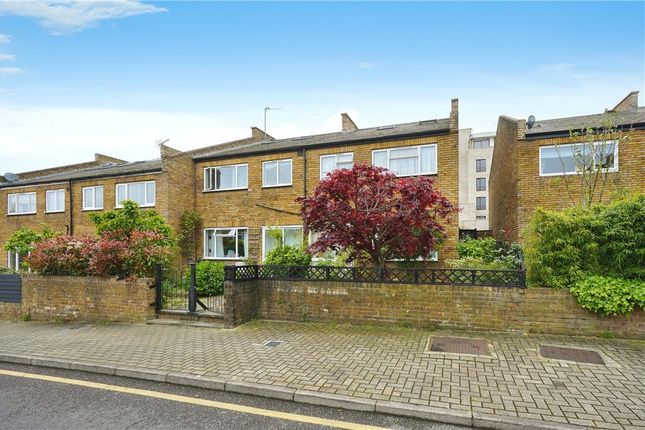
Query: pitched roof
[
  {"x": 338, "y": 138},
  {"x": 107, "y": 170},
  {"x": 564, "y": 125}
]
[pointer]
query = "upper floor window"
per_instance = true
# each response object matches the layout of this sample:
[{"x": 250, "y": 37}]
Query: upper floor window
[
  {"x": 481, "y": 203},
  {"x": 226, "y": 243},
  {"x": 482, "y": 143},
  {"x": 93, "y": 198},
  {"x": 55, "y": 201},
  {"x": 329, "y": 163},
  {"x": 480, "y": 184},
  {"x": 408, "y": 161},
  {"x": 233, "y": 177},
  {"x": 572, "y": 158},
  {"x": 142, "y": 193},
  {"x": 276, "y": 173},
  {"x": 480, "y": 165},
  {"x": 272, "y": 237},
  {"x": 20, "y": 204}
]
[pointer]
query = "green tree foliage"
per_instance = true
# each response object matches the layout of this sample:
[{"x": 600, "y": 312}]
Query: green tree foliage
[
  {"x": 485, "y": 253},
  {"x": 609, "y": 296},
  {"x": 190, "y": 228},
  {"x": 131, "y": 218},
  {"x": 563, "y": 247},
  {"x": 25, "y": 239},
  {"x": 285, "y": 255},
  {"x": 209, "y": 278}
]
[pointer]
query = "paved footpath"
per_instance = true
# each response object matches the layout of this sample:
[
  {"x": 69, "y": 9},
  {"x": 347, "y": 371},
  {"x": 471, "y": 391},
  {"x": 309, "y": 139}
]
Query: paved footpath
[{"x": 385, "y": 367}]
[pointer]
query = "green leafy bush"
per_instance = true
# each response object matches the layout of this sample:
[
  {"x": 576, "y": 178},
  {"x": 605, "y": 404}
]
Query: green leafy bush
[
  {"x": 285, "y": 255},
  {"x": 563, "y": 247},
  {"x": 24, "y": 239},
  {"x": 209, "y": 278},
  {"x": 485, "y": 249},
  {"x": 480, "y": 263},
  {"x": 485, "y": 253},
  {"x": 609, "y": 296}
]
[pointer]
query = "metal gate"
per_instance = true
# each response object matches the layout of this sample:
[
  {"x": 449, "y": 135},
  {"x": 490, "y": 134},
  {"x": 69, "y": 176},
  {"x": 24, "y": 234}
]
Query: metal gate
[{"x": 179, "y": 291}]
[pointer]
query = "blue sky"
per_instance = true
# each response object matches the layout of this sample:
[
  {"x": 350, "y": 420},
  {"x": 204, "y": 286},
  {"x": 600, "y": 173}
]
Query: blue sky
[{"x": 114, "y": 78}]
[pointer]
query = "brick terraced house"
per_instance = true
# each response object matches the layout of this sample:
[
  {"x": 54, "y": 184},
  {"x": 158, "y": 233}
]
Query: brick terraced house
[
  {"x": 242, "y": 189},
  {"x": 529, "y": 163}
]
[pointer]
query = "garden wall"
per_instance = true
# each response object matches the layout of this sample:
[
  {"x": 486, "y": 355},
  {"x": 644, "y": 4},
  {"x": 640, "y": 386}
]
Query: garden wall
[
  {"x": 532, "y": 310},
  {"x": 76, "y": 298}
]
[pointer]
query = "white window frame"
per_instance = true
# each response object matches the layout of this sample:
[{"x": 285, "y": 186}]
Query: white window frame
[
  {"x": 278, "y": 227},
  {"x": 418, "y": 148},
  {"x": 47, "y": 210},
  {"x": 246, "y": 245},
  {"x": 126, "y": 184},
  {"x": 610, "y": 170},
  {"x": 335, "y": 157},
  {"x": 277, "y": 162},
  {"x": 21, "y": 194},
  {"x": 94, "y": 207},
  {"x": 16, "y": 260},
  {"x": 207, "y": 175}
]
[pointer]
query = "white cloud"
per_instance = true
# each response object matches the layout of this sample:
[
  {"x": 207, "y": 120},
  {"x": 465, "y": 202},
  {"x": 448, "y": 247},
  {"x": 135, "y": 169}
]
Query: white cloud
[
  {"x": 366, "y": 65},
  {"x": 5, "y": 38},
  {"x": 11, "y": 71},
  {"x": 61, "y": 17},
  {"x": 7, "y": 57}
]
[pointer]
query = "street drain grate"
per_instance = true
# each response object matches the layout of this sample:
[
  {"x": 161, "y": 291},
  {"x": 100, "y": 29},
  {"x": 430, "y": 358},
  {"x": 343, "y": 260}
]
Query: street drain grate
[
  {"x": 571, "y": 354},
  {"x": 273, "y": 343},
  {"x": 459, "y": 345}
]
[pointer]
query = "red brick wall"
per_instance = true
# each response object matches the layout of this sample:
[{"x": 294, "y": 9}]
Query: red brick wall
[
  {"x": 533, "y": 310},
  {"x": 75, "y": 298}
]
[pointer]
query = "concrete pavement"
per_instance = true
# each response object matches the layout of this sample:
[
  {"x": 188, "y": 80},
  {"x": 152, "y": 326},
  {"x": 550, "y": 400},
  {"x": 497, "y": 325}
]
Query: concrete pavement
[{"x": 365, "y": 368}]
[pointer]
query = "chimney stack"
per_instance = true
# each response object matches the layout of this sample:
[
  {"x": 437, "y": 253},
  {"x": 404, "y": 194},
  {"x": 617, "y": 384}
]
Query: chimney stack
[
  {"x": 347, "y": 123},
  {"x": 454, "y": 114},
  {"x": 628, "y": 103}
]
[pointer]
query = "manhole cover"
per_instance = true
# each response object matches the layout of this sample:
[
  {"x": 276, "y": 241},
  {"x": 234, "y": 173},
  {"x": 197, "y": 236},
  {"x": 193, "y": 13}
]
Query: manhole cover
[
  {"x": 571, "y": 354},
  {"x": 273, "y": 343},
  {"x": 459, "y": 345}
]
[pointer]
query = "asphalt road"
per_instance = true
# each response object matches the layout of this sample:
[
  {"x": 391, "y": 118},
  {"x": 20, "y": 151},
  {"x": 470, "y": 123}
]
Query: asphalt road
[{"x": 27, "y": 403}]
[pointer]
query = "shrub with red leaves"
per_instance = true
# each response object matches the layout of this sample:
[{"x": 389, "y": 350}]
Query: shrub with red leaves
[
  {"x": 63, "y": 255},
  {"x": 368, "y": 210}
]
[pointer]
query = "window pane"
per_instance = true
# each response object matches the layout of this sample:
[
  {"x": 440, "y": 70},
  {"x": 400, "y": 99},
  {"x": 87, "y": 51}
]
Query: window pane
[
  {"x": 270, "y": 174},
  {"x": 137, "y": 192},
  {"x": 241, "y": 243},
  {"x": 284, "y": 172},
  {"x": 481, "y": 184},
  {"x": 242, "y": 176},
  {"x": 32, "y": 202},
  {"x": 327, "y": 164},
  {"x": 429, "y": 159},
  {"x": 481, "y": 165},
  {"x": 225, "y": 246},
  {"x": 379, "y": 158},
  {"x": 150, "y": 193},
  {"x": 270, "y": 241},
  {"x": 404, "y": 152},
  {"x": 481, "y": 203},
  {"x": 225, "y": 178},
  {"x": 88, "y": 200},
  {"x": 293, "y": 236},
  {"x": 24, "y": 205},
  {"x": 13, "y": 205},
  {"x": 50, "y": 201},
  {"x": 98, "y": 197},
  {"x": 556, "y": 160},
  {"x": 404, "y": 166},
  {"x": 120, "y": 193},
  {"x": 605, "y": 155},
  {"x": 60, "y": 200}
]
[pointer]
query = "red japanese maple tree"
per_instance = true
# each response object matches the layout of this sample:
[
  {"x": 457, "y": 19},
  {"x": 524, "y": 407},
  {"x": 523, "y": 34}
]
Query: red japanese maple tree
[{"x": 369, "y": 211}]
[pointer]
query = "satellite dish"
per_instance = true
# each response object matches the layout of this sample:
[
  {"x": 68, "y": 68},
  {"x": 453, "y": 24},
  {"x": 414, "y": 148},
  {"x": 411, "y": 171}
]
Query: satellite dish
[
  {"x": 11, "y": 177},
  {"x": 530, "y": 121}
]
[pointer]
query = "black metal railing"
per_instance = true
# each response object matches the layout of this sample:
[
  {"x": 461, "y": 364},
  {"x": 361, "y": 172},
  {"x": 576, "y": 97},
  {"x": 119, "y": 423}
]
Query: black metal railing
[
  {"x": 434, "y": 276},
  {"x": 178, "y": 291}
]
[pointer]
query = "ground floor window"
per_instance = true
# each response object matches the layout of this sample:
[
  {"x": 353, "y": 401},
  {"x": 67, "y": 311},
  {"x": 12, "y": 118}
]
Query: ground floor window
[
  {"x": 272, "y": 237},
  {"x": 226, "y": 243},
  {"x": 14, "y": 260}
]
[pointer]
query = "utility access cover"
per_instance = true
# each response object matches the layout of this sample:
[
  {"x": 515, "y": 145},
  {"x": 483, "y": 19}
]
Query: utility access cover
[
  {"x": 571, "y": 354},
  {"x": 459, "y": 345},
  {"x": 273, "y": 343}
]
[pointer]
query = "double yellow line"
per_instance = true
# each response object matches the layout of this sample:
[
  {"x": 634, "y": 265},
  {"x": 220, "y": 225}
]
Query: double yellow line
[{"x": 195, "y": 401}]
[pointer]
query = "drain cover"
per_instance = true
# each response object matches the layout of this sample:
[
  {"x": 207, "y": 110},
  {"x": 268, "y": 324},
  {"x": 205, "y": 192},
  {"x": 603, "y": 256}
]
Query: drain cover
[
  {"x": 459, "y": 345},
  {"x": 571, "y": 354},
  {"x": 273, "y": 343}
]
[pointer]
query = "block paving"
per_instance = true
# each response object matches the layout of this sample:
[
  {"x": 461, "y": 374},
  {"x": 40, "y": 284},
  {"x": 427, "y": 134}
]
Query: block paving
[{"x": 377, "y": 363}]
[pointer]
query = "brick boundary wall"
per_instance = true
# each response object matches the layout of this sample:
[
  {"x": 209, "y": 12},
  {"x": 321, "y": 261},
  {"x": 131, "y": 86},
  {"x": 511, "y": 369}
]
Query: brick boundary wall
[
  {"x": 10, "y": 311},
  {"x": 77, "y": 298},
  {"x": 531, "y": 310}
]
